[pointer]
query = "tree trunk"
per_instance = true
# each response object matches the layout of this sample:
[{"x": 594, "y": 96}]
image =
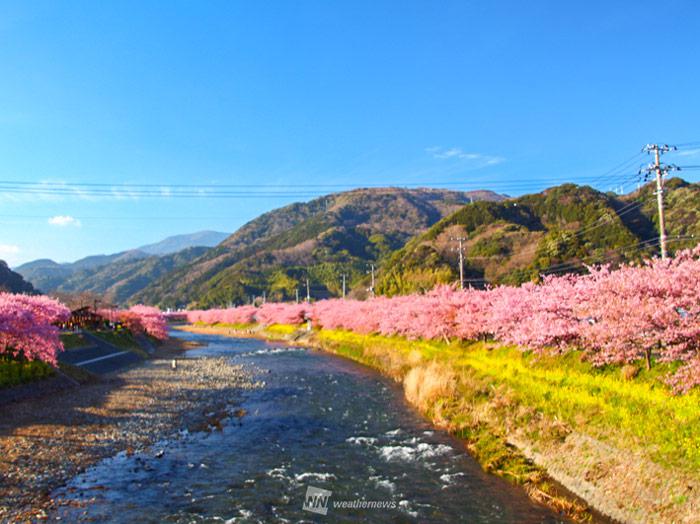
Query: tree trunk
[{"x": 647, "y": 354}]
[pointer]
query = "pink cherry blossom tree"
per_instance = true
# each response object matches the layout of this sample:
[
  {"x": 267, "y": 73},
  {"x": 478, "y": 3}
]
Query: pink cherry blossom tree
[{"x": 27, "y": 326}]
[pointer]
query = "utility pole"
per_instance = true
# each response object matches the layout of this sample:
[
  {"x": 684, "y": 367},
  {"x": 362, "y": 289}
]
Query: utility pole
[
  {"x": 344, "y": 276},
  {"x": 660, "y": 170},
  {"x": 371, "y": 287},
  {"x": 308, "y": 291},
  {"x": 264, "y": 297},
  {"x": 297, "y": 293},
  {"x": 460, "y": 250}
]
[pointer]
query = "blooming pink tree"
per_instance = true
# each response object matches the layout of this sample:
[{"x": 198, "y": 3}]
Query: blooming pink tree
[
  {"x": 281, "y": 313},
  {"x": 150, "y": 319},
  {"x": 640, "y": 311},
  {"x": 27, "y": 326}
]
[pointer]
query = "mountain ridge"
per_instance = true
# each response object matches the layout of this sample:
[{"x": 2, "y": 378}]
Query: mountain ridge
[
  {"x": 50, "y": 276},
  {"x": 335, "y": 233},
  {"x": 559, "y": 229},
  {"x": 13, "y": 282}
]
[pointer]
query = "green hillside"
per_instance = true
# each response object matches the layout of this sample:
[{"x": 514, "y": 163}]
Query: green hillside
[
  {"x": 322, "y": 239},
  {"x": 13, "y": 282},
  {"x": 117, "y": 277},
  {"x": 558, "y": 230},
  {"x": 119, "y": 281}
]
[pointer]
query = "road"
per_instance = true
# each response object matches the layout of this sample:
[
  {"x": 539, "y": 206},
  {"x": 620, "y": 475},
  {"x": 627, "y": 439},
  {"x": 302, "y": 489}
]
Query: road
[{"x": 99, "y": 357}]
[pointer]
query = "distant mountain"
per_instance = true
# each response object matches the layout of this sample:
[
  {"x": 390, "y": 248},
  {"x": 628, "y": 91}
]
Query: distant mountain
[
  {"x": 179, "y": 242},
  {"x": 558, "y": 230},
  {"x": 324, "y": 238},
  {"x": 13, "y": 282},
  {"x": 120, "y": 275},
  {"x": 119, "y": 280},
  {"x": 44, "y": 274}
]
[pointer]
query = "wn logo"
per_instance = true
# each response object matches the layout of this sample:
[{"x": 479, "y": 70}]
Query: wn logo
[{"x": 316, "y": 500}]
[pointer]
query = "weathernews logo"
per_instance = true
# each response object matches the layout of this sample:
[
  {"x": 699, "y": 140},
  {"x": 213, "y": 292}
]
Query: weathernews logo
[{"x": 317, "y": 500}]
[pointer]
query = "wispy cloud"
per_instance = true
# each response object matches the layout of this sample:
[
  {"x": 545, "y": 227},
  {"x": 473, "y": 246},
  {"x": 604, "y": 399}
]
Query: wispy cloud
[
  {"x": 457, "y": 153},
  {"x": 8, "y": 253},
  {"x": 64, "y": 221},
  {"x": 688, "y": 152},
  {"x": 8, "y": 249}
]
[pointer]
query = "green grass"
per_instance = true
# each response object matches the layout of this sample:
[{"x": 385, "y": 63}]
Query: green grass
[
  {"x": 73, "y": 341},
  {"x": 16, "y": 372},
  {"x": 122, "y": 339}
]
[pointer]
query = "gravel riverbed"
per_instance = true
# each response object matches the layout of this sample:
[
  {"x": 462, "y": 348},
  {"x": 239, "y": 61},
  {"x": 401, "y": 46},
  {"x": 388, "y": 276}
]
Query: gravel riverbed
[{"x": 45, "y": 442}]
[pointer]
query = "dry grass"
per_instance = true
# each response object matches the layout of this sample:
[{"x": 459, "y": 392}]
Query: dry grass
[
  {"x": 393, "y": 363},
  {"x": 424, "y": 385},
  {"x": 629, "y": 371}
]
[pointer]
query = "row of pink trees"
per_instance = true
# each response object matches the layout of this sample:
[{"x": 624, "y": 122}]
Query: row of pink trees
[
  {"x": 620, "y": 316},
  {"x": 27, "y": 326},
  {"x": 140, "y": 319}
]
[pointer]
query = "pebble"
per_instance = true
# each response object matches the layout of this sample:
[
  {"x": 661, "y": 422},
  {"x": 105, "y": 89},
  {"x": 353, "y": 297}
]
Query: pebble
[{"x": 45, "y": 442}]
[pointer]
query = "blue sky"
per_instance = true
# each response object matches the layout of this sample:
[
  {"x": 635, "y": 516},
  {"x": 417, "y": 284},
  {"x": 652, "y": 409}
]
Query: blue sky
[{"x": 510, "y": 96}]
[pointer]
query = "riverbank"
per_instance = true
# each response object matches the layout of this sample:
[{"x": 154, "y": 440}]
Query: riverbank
[
  {"x": 44, "y": 442},
  {"x": 624, "y": 445}
]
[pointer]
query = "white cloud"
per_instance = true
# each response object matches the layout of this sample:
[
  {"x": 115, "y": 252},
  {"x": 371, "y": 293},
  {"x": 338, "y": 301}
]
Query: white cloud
[
  {"x": 8, "y": 253},
  {"x": 457, "y": 153},
  {"x": 8, "y": 249},
  {"x": 688, "y": 152},
  {"x": 64, "y": 221}
]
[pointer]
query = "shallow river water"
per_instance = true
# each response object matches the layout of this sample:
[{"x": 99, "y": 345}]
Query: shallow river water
[{"x": 321, "y": 422}]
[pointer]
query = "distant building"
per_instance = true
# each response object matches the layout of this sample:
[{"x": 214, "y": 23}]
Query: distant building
[{"x": 85, "y": 318}]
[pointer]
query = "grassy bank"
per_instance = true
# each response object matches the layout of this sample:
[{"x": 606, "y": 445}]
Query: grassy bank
[
  {"x": 121, "y": 339},
  {"x": 73, "y": 341},
  {"x": 15, "y": 372},
  {"x": 618, "y": 439}
]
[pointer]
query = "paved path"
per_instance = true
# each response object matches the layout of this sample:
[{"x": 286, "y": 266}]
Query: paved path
[{"x": 99, "y": 357}]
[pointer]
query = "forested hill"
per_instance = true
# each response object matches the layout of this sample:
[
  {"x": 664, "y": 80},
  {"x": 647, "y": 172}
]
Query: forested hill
[
  {"x": 558, "y": 230},
  {"x": 13, "y": 282},
  {"x": 322, "y": 239},
  {"x": 117, "y": 277}
]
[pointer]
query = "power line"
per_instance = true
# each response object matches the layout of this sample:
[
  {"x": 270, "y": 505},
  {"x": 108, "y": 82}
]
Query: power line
[
  {"x": 646, "y": 244},
  {"x": 616, "y": 170},
  {"x": 574, "y": 265},
  {"x": 599, "y": 222},
  {"x": 159, "y": 187},
  {"x": 220, "y": 191}
]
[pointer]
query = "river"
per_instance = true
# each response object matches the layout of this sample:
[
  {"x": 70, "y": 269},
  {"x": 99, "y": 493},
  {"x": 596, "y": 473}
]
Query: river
[{"x": 321, "y": 422}]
